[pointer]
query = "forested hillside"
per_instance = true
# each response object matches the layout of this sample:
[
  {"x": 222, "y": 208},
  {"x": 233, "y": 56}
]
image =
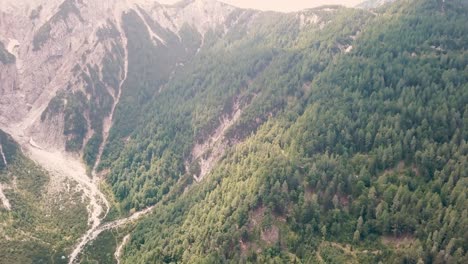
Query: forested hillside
[
  {"x": 351, "y": 145},
  {"x": 200, "y": 132},
  {"x": 256, "y": 73}
]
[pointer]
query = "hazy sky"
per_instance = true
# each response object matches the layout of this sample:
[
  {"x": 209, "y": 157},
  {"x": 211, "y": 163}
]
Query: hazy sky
[{"x": 282, "y": 5}]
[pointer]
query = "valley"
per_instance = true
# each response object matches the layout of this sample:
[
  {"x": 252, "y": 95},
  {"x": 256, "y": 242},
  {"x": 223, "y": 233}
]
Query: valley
[{"x": 198, "y": 132}]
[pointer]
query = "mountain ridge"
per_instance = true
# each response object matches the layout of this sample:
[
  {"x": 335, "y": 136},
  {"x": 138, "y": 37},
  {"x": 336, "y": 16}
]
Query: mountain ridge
[{"x": 260, "y": 136}]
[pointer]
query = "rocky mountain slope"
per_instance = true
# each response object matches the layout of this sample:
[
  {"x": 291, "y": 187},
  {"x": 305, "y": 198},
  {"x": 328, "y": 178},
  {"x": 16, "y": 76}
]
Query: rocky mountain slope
[
  {"x": 203, "y": 133},
  {"x": 63, "y": 68},
  {"x": 70, "y": 61}
]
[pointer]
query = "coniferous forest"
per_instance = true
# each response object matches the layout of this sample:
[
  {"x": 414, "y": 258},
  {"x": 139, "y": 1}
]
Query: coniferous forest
[
  {"x": 357, "y": 157},
  {"x": 342, "y": 140}
]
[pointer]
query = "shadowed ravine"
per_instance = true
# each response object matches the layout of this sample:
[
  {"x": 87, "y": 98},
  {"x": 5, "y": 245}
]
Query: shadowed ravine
[{"x": 96, "y": 229}]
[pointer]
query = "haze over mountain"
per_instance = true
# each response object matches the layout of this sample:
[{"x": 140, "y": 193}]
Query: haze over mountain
[
  {"x": 200, "y": 132},
  {"x": 282, "y": 5}
]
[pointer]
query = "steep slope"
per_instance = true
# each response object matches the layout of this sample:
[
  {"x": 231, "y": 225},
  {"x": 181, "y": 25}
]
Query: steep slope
[
  {"x": 76, "y": 54},
  {"x": 45, "y": 42},
  {"x": 60, "y": 104},
  {"x": 375, "y": 151},
  {"x": 213, "y": 101},
  {"x": 326, "y": 135}
]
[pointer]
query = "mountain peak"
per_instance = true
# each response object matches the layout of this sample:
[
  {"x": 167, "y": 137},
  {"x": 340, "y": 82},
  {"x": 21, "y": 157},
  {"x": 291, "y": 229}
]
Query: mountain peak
[
  {"x": 188, "y": 2},
  {"x": 200, "y": 14}
]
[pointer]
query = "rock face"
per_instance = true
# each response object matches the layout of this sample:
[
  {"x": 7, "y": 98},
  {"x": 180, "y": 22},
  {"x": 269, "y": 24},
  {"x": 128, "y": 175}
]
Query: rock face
[{"x": 70, "y": 61}]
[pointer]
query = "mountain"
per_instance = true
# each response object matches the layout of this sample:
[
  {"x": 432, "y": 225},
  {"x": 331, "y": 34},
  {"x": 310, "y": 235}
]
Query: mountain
[
  {"x": 75, "y": 53},
  {"x": 204, "y": 133},
  {"x": 369, "y": 4}
]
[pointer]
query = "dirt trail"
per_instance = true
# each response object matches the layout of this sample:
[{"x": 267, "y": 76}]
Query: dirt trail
[
  {"x": 92, "y": 234},
  {"x": 3, "y": 156},
  {"x": 4, "y": 199},
  {"x": 118, "y": 251},
  {"x": 319, "y": 257}
]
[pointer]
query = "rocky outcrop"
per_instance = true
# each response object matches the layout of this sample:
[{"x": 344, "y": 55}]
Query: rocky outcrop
[{"x": 206, "y": 154}]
